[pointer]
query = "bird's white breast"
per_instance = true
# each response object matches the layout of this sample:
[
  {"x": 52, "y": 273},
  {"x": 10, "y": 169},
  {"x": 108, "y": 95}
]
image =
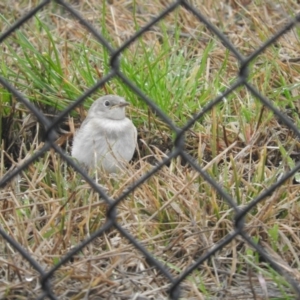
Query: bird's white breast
[{"x": 106, "y": 142}]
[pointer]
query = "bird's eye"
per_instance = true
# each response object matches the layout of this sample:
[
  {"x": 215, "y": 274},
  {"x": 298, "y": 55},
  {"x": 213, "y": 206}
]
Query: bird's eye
[{"x": 106, "y": 103}]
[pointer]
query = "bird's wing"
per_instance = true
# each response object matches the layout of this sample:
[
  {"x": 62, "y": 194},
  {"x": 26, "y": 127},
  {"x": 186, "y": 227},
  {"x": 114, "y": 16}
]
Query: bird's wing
[{"x": 89, "y": 143}]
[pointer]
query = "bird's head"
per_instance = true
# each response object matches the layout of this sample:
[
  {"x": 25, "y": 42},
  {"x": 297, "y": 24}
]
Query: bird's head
[{"x": 109, "y": 106}]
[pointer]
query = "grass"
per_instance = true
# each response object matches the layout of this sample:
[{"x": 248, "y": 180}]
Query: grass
[{"x": 176, "y": 214}]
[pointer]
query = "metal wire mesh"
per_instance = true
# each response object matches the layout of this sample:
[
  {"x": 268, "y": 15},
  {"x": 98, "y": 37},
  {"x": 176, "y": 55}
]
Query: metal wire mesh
[{"x": 179, "y": 143}]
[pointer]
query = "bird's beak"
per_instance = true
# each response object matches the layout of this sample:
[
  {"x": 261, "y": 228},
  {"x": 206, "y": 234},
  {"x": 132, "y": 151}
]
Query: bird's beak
[{"x": 123, "y": 104}]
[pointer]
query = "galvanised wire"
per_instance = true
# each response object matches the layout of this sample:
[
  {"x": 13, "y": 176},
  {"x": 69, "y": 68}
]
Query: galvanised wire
[{"x": 241, "y": 80}]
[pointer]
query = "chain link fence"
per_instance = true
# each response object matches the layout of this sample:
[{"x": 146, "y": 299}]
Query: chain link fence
[{"x": 178, "y": 150}]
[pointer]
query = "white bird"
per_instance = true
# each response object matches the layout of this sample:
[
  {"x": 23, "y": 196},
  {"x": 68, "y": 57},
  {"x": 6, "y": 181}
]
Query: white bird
[{"x": 106, "y": 138}]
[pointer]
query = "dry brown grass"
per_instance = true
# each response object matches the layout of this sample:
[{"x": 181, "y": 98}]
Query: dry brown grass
[{"x": 176, "y": 215}]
